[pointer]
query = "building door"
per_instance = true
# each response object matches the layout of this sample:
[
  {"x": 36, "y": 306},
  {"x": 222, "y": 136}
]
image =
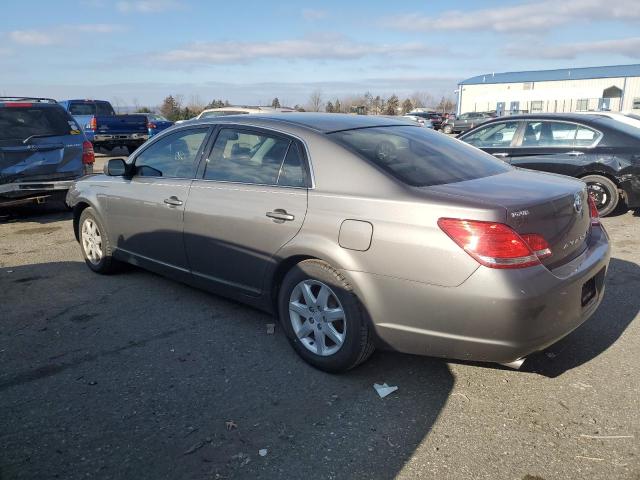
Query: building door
[
  {"x": 500, "y": 109},
  {"x": 514, "y": 107}
]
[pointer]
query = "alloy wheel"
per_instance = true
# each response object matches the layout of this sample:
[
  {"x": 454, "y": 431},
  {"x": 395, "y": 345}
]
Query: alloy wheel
[
  {"x": 317, "y": 317},
  {"x": 92, "y": 241}
]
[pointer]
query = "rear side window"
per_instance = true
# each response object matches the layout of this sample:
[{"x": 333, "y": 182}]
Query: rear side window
[
  {"x": 246, "y": 157},
  {"x": 19, "y": 123},
  {"x": 292, "y": 173},
  {"x": 91, "y": 108},
  {"x": 557, "y": 134},
  {"x": 419, "y": 157}
]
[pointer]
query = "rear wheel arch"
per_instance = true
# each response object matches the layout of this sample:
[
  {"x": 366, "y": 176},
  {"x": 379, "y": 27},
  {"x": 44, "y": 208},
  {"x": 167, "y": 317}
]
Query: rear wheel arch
[{"x": 280, "y": 272}]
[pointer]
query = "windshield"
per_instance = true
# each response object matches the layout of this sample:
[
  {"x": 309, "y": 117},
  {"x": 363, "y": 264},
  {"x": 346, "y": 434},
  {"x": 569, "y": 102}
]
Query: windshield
[
  {"x": 419, "y": 157},
  {"x": 19, "y": 123},
  {"x": 91, "y": 108}
]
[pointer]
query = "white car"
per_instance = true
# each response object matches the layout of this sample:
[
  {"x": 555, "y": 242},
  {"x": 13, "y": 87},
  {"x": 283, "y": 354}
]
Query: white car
[
  {"x": 224, "y": 111},
  {"x": 628, "y": 118},
  {"x": 423, "y": 122}
]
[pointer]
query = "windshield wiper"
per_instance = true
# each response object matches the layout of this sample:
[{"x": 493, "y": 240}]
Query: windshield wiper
[{"x": 41, "y": 135}]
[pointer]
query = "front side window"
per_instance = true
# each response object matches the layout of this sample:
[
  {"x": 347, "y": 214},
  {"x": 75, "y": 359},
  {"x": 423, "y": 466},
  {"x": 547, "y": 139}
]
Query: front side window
[
  {"x": 246, "y": 157},
  {"x": 497, "y": 135},
  {"x": 557, "y": 134},
  {"x": 418, "y": 157},
  {"x": 173, "y": 156}
]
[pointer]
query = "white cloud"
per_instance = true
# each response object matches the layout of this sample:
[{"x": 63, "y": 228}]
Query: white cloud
[
  {"x": 59, "y": 35},
  {"x": 33, "y": 37},
  {"x": 526, "y": 16},
  {"x": 325, "y": 47},
  {"x": 148, "y": 6},
  {"x": 310, "y": 14},
  {"x": 628, "y": 47}
]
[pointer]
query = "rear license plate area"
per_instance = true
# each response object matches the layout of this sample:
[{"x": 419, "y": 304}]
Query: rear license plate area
[{"x": 589, "y": 291}]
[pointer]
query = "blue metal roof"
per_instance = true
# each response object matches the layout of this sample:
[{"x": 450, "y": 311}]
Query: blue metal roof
[{"x": 554, "y": 75}]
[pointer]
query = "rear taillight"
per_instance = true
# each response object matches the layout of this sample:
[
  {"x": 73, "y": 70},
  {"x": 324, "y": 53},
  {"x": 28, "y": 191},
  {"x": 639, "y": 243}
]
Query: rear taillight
[
  {"x": 18, "y": 104},
  {"x": 538, "y": 244},
  {"x": 496, "y": 245},
  {"x": 593, "y": 211},
  {"x": 151, "y": 126},
  {"x": 93, "y": 123},
  {"x": 88, "y": 156}
]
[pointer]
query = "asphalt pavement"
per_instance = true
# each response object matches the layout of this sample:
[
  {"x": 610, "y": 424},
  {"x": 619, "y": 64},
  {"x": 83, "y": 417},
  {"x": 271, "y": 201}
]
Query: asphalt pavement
[{"x": 135, "y": 376}]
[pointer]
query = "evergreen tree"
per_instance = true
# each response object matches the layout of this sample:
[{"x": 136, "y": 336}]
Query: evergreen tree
[{"x": 275, "y": 103}]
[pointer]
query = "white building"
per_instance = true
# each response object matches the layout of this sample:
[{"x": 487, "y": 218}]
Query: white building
[{"x": 615, "y": 88}]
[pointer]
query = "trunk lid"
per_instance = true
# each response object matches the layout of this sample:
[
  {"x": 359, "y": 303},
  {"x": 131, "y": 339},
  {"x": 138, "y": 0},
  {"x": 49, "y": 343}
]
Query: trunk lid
[
  {"x": 550, "y": 205},
  {"x": 44, "y": 158}
]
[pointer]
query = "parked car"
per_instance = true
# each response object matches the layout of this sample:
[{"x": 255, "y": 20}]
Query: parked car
[
  {"x": 225, "y": 111},
  {"x": 429, "y": 246},
  {"x": 419, "y": 120},
  {"x": 628, "y": 118},
  {"x": 156, "y": 123},
  {"x": 434, "y": 117},
  {"x": 104, "y": 128},
  {"x": 600, "y": 150},
  {"x": 464, "y": 121},
  {"x": 42, "y": 150}
]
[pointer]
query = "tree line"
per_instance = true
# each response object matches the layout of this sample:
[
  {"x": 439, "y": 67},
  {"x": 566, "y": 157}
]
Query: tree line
[{"x": 174, "y": 107}]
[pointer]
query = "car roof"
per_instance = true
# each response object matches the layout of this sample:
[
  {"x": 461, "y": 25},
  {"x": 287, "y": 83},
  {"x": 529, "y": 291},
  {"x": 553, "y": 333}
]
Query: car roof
[{"x": 318, "y": 122}]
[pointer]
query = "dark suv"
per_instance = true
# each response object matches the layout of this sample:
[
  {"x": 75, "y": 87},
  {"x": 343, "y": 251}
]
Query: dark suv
[
  {"x": 42, "y": 150},
  {"x": 465, "y": 121}
]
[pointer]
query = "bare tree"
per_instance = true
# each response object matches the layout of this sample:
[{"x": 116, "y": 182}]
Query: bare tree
[
  {"x": 315, "y": 101},
  {"x": 421, "y": 99}
]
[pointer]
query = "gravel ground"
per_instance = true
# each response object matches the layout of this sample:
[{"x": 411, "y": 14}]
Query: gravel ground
[{"x": 134, "y": 376}]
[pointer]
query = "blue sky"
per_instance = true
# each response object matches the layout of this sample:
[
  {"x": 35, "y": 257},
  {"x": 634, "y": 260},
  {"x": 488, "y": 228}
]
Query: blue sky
[{"x": 138, "y": 51}]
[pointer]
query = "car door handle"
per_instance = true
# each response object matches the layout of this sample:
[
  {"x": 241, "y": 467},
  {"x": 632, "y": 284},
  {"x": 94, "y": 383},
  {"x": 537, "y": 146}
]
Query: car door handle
[
  {"x": 501, "y": 155},
  {"x": 173, "y": 201},
  {"x": 279, "y": 215},
  {"x": 575, "y": 153}
]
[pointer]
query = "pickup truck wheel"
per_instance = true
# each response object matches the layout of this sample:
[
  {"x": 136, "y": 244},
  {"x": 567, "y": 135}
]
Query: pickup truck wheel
[
  {"x": 94, "y": 243},
  {"x": 131, "y": 148},
  {"x": 323, "y": 319}
]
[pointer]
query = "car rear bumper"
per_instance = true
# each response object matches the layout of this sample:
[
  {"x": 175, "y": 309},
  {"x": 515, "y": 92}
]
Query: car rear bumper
[
  {"x": 124, "y": 137},
  {"x": 495, "y": 315},
  {"x": 19, "y": 192}
]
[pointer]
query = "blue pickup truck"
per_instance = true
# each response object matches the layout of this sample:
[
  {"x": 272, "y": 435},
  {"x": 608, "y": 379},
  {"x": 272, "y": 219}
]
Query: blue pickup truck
[{"x": 104, "y": 128}]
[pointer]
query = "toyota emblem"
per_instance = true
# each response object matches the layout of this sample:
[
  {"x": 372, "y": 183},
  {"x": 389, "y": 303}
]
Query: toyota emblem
[{"x": 577, "y": 202}]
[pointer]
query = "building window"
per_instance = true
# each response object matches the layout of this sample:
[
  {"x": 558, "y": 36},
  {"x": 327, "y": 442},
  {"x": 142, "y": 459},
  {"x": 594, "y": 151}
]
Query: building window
[
  {"x": 582, "y": 105},
  {"x": 636, "y": 103},
  {"x": 536, "y": 106}
]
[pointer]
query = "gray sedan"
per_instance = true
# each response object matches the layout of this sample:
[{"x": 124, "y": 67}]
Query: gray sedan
[{"x": 356, "y": 232}]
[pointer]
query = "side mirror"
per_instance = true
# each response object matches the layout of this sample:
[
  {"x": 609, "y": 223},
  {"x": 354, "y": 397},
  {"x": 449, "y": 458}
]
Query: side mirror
[{"x": 116, "y": 167}]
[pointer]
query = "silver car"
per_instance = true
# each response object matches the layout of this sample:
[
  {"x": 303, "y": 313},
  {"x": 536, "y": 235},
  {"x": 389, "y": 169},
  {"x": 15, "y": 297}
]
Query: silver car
[{"x": 357, "y": 232}]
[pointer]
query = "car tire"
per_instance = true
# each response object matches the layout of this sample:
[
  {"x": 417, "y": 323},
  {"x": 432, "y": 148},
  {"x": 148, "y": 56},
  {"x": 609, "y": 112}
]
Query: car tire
[
  {"x": 604, "y": 192},
  {"x": 94, "y": 243},
  {"x": 448, "y": 129},
  {"x": 353, "y": 334}
]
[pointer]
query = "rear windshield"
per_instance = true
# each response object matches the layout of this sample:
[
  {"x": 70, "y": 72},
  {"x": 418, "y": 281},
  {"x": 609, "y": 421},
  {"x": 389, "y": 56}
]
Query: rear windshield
[
  {"x": 419, "y": 157},
  {"x": 91, "y": 108},
  {"x": 19, "y": 123}
]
